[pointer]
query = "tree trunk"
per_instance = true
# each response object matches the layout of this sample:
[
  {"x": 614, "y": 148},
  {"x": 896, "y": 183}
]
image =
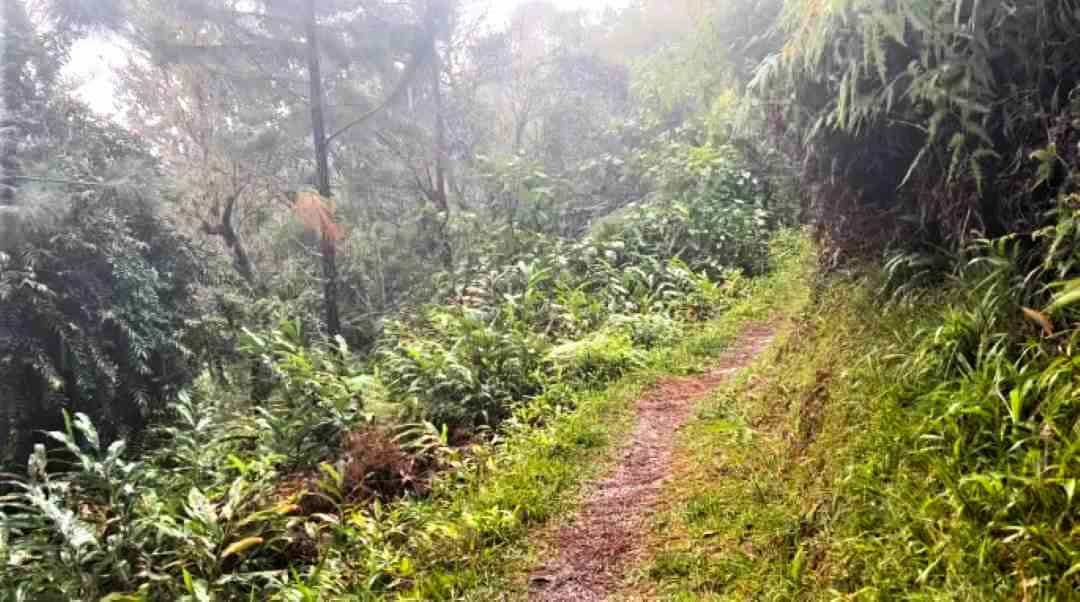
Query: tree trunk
[
  {"x": 240, "y": 256},
  {"x": 318, "y": 131},
  {"x": 446, "y": 251},
  {"x": 225, "y": 229},
  {"x": 519, "y": 132}
]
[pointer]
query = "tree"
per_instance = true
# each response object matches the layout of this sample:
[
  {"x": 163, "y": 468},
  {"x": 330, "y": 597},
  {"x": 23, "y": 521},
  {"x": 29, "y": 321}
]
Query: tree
[
  {"x": 554, "y": 90},
  {"x": 418, "y": 136},
  {"x": 555, "y": 153},
  {"x": 16, "y": 33},
  {"x": 906, "y": 117},
  {"x": 299, "y": 56},
  {"x": 322, "y": 164},
  {"x": 97, "y": 289},
  {"x": 227, "y": 159}
]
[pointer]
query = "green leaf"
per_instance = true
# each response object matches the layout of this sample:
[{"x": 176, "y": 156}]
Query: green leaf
[
  {"x": 1074, "y": 569},
  {"x": 1069, "y": 296},
  {"x": 357, "y": 384},
  {"x": 84, "y": 425},
  {"x": 121, "y": 597},
  {"x": 797, "y": 566}
]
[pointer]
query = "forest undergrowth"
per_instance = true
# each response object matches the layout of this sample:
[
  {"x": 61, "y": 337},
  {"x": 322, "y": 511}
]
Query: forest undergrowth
[{"x": 323, "y": 492}]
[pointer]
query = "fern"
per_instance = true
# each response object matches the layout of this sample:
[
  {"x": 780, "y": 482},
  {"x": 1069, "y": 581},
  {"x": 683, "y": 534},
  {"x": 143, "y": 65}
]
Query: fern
[{"x": 93, "y": 305}]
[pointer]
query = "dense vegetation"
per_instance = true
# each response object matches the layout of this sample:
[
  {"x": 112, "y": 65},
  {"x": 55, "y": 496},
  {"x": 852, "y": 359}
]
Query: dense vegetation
[
  {"x": 350, "y": 295},
  {"x": 922, "y": 415}
]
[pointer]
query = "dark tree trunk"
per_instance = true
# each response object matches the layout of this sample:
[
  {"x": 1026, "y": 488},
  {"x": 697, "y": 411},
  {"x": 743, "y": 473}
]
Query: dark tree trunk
[
  {"x": 322, "y": 163},
  {"x": 240, "y": 256},
  {"x": 227, "y": 231}
]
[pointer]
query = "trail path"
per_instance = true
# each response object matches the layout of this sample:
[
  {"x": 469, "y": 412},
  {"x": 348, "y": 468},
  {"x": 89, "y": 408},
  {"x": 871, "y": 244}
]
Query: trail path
[{"x": 590, "y": 555}]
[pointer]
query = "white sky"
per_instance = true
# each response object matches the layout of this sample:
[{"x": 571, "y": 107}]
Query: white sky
[{"x": 93, "y": 60}]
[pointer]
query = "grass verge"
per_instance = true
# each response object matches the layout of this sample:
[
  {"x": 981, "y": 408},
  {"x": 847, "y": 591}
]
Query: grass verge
[
  {"x": 919, "y": 449},
  {"x": 762, "y": 466}
]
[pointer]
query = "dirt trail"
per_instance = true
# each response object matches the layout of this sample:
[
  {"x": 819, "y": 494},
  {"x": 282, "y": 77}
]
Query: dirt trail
[{"x": 590, "y": 555}]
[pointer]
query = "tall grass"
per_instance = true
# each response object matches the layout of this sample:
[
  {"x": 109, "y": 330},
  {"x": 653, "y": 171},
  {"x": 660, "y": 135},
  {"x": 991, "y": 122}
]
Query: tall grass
[{"x": 917, "y": 446}]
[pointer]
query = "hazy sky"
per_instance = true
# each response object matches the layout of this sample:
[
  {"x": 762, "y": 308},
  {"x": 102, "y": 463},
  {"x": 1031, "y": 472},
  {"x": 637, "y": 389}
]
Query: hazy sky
[
  {"x": 92, "y": 61},
  {"x": 500, "y": 9}
]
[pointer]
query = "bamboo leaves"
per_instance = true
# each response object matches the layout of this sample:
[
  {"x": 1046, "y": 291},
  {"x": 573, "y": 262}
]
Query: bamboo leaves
[
  {"x": 1068, "y": 295},
  {"x": 915, "y": 96}
]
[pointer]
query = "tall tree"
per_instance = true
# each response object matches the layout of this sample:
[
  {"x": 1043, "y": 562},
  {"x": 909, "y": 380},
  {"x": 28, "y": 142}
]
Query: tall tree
[
  {"x": 322, "y": 163},
  {"x": 298, "y": 56}
]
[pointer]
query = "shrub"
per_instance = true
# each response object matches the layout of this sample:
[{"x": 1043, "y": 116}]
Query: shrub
[
  {"x": 95, "y": 314},
  {"x": 646, "y": 330},
  {"x": 81, "y": 522},
  {"x": 467, "y": 373},
  {"x": 700, "y": 297},
  {"x": 597, "y": 358},
  {"x": 316, "y": 399},
  {"x": 997, "y": 387},
  {"x": 913, "y": 121},
  {"x": 976, "y": 434},
  {"x": 712, "y": 212}
]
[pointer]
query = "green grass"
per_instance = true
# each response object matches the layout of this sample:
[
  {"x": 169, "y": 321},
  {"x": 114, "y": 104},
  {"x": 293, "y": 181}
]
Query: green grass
[
  {"x": 881, "y": 450},
  {"x": 535, "y": 475},
  {"x": 762, "y": 463}
]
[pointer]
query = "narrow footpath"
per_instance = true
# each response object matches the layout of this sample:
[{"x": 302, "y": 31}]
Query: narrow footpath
[{"x": 589, "y": 557}]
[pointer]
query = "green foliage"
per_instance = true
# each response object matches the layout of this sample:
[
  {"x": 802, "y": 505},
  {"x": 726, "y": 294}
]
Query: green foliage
[
  {"x": 914, "y": 120},
  {"x": 920, "y": 446},
  {"x": 317, "y": 395},
  {"x": 109, "y": 525},
  {"x": 714, "y": 212},
  {"x": 654, "y": 266},
  {"x": 647, "y": 330},
  {"x": 92, "y": 546},
  {"x": 598, "y": 358},
  {"x": 97, "y": 311},
  {"x": 469, "y": 374},
  {"x": 285, "y": 472},
  {"x": 158, "y": 528},
  {"x": 242, "y": 500},
  {"x": 995, "y": 388}
]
